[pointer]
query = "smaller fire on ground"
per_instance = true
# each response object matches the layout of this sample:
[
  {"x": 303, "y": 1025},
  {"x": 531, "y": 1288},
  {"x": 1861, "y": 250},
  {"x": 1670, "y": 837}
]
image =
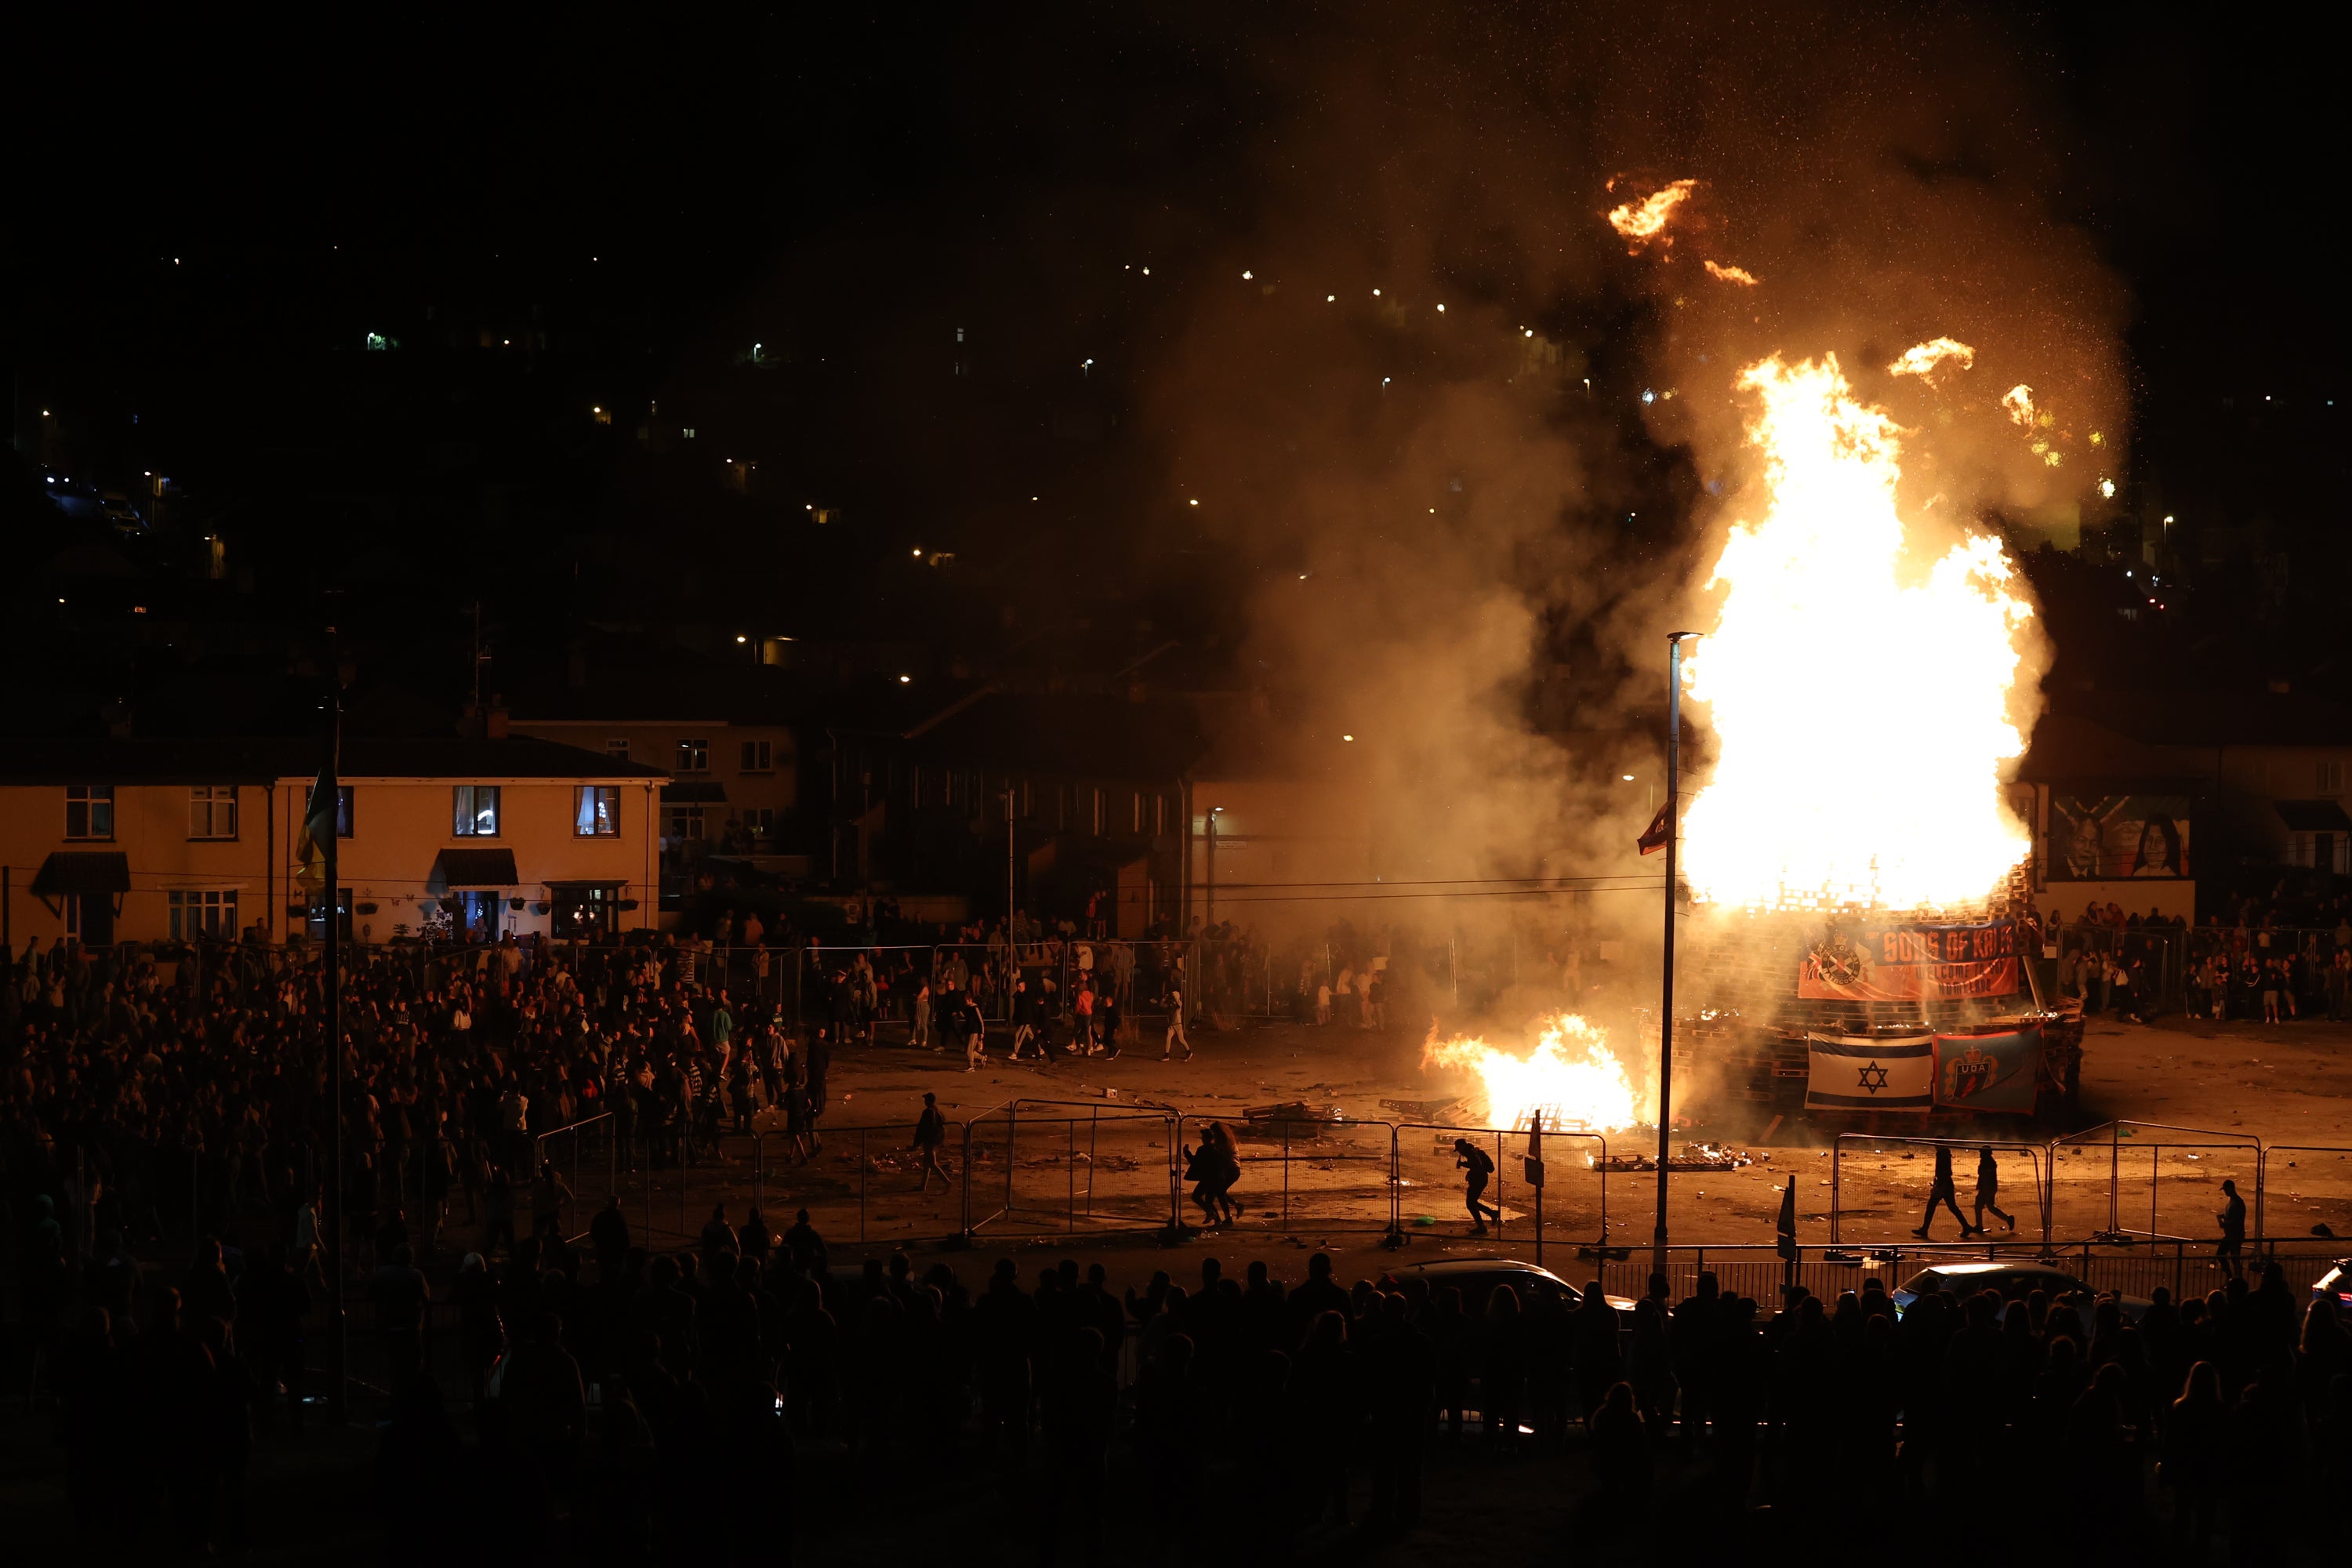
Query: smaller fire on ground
[{"x": 1571, "y": 1079}]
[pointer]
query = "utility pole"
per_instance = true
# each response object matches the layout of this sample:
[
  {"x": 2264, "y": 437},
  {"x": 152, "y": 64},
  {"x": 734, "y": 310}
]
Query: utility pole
[
  {"x": 1666, "y": 1003},
  {"x": 338, "y": 1385},
  {"x": 1010, "y": 790},
  {"x": 1212, "y": 916}
]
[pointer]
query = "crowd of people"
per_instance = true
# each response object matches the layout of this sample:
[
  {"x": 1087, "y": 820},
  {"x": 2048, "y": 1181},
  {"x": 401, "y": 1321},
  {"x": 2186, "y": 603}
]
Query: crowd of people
[
  {"x": 2275, "y": 961},
  {"x": 601, "y": 1397}
]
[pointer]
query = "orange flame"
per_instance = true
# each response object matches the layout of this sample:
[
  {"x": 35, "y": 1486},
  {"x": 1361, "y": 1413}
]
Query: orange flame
[
  {"x": 2019, "y": 401},
  {"x": 1861, "y": 723},
  {"x": 1730, "y": 274},
  {"x": 1572, "y": 1080},
  {"x": 1926, "y": 359},
  {"x": 1646, "y": 219}
]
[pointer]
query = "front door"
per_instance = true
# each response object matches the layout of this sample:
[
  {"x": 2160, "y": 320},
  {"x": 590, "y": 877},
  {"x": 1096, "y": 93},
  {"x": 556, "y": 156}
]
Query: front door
[
  {"x": 96, "y": 924},
  {"x": 480, "y": 913}
]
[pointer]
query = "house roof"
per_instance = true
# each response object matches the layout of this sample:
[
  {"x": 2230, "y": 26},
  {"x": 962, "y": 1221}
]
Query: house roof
[
  {"x": 2069, "y": 750},
  {"x": 1101, "y": 737},
  {"x": 265, "y": 759},
  {"x": 2218, "y": 718}
]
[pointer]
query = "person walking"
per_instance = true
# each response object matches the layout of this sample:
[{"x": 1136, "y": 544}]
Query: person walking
[
  {"x": 1025, "y": 1020},
  {"x": 1989, "y": 1189},
  {"x": 930, "y": 1133},
  {"x": 918, "y": 1036},
  {"x": 1946, "y": 1193},
  {"x": 2233, "y": 1220},
  {"x": 1469, "y": 1157},
  {"x": 1175, "y": 1026},
  {"x": 974, "y": 1025}
]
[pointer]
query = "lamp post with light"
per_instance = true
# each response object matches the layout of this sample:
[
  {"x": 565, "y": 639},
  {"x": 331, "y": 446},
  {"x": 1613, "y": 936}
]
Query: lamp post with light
[{"x": 1666, "y": 1003}]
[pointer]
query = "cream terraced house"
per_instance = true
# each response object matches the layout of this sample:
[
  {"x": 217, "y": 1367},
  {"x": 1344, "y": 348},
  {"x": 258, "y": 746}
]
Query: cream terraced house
[{"x": 115, "y": 840}]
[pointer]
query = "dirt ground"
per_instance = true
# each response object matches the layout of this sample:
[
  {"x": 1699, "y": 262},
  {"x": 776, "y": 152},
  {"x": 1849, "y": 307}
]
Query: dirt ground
[{"x": 1080, "y": 1163}]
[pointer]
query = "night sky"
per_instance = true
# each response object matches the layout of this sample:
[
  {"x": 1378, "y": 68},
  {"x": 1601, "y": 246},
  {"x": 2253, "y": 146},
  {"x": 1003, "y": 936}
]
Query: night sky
[{"x": 542, "y": 224}]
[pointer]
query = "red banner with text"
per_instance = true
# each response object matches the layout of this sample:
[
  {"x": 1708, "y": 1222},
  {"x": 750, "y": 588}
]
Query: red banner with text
[{"x": 1911, "y": 963}]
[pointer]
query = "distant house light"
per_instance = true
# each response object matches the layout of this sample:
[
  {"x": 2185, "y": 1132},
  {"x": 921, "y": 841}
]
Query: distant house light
[{"x": 903, "y": 679}]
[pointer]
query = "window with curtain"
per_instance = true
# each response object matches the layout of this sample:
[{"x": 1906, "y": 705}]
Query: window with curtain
[
  {"x": 212, "y": 811},
  {"x": 596, "y": 811},
  {"x": 477, "y": 811}
]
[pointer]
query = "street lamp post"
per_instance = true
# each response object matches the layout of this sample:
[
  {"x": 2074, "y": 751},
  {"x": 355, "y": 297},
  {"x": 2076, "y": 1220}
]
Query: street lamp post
[{"x": 1666, "y": 1002}]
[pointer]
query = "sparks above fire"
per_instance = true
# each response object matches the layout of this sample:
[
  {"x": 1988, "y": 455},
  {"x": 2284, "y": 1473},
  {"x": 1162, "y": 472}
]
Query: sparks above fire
[
  {"x": 1861, "y": 712},
  {"x": 1571, "y": 1079}
]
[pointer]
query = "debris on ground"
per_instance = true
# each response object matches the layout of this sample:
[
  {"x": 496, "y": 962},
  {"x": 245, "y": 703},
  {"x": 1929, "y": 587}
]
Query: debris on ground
[{"x": 1694, "y": 1157}]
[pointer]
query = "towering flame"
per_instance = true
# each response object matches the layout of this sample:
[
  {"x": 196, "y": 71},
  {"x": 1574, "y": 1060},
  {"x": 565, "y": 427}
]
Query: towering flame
[
  {"x": 1861, "y": 720},
  {"x": 1572, "y": 1080},
  {"x": 1646, "y": 219}
]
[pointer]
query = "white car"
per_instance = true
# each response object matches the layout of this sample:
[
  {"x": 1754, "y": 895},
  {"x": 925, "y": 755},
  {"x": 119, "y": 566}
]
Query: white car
[{"x": 2015, "y": 1281}]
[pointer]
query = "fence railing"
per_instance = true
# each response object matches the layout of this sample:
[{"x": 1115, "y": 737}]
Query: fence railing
[
  {"x": 2039, "y": 1154},
  {"x": 1149, "y": 1202}
]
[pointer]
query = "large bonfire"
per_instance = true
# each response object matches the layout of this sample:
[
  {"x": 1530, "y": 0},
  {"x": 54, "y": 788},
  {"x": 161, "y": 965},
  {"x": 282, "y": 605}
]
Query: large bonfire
[
  {"x": 1572, "y": 1080},
  {"x": 1860, "y": 706}
]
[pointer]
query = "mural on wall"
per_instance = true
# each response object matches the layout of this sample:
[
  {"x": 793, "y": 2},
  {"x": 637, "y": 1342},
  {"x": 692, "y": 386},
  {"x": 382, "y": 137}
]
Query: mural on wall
[{"x": 2118, "y": 837}]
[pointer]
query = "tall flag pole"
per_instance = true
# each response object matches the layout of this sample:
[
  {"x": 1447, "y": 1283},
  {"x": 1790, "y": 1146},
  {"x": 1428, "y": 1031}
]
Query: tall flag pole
[
  {"x": 1673, "y": 826},
  {"x": 320, "y": 849}
]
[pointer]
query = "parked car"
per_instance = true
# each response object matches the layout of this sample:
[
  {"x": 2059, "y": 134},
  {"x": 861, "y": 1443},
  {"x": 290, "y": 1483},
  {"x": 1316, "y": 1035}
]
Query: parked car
[
  {"x": 1478, "y": 1277},
  {"x": 2015, "y": 1281},
  {"x": 2335, "y": 1285}
]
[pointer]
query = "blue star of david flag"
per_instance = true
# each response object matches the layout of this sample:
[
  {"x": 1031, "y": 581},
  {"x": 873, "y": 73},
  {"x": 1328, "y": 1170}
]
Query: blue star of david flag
[{"x": 1855, "y": 1074}]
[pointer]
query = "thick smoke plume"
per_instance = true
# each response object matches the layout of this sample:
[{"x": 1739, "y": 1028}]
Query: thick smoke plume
[{"x": 1466, "y": 529}]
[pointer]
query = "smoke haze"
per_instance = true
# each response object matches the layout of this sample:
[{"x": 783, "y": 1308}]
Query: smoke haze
[{"x": 1464, "y": 532}]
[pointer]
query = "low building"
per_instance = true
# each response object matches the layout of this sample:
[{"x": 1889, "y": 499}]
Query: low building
[
  {"x": 106, "y": 840},
  {"x": 2143, "y": 800}
]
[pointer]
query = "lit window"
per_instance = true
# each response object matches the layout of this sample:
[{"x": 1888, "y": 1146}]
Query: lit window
[
  {"x": 208, "y": 911},
  {"x": 596, "y": 811},
  {"x": 693, "y": 757},
  {"x": 476, "y": 813},
  {"x": 760, "y": 821},
  {"x": 212, "y": 811},
  {"x": 90, "y": 811}
]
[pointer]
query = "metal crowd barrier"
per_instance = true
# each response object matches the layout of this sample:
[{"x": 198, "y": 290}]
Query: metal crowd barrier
[{"x": 2039, "y": 1154}]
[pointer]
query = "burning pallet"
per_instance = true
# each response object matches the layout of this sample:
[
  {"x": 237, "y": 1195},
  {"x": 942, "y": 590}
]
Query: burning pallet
[{"x": 1694, "y": 1157}]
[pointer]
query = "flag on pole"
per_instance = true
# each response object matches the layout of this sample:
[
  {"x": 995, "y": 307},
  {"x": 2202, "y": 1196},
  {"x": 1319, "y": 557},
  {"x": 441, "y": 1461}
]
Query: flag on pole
[
  {"x": 1653, "y": 837},
  {"x": 317, "y": 832}
]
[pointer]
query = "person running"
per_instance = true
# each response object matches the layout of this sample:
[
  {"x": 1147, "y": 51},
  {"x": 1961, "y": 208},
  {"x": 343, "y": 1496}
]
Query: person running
[
  {"x": 2233, "y": 1220},
  {"x": 1175, "y": 1026},
  {"x": 1989, "y": 1189},
  {"x": 1945, "y": 1191},
  {"x": 1469, "y": 1157},
  {"x": 930, "y": 1133},
  {"x": 1224, "y": 1169}
]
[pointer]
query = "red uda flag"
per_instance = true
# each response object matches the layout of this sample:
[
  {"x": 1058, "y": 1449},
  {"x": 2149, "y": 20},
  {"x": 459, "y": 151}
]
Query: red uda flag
[{"x": 1653, "y": 837}]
